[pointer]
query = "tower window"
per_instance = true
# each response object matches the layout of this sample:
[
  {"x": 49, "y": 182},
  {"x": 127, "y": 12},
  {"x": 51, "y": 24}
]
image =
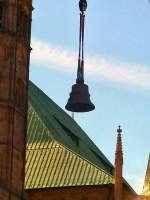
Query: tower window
[{"x": 1, "y": 15}]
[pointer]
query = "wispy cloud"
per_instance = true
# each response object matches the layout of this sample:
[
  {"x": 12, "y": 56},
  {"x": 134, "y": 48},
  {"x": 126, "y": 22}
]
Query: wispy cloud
[
  {"x": 57, "y": 57},
  {"x": 136, "y": 182}
]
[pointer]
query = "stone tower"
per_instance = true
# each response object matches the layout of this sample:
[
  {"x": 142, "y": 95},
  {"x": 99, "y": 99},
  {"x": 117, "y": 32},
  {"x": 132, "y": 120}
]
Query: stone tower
[
  {"x": 146, "y": 188},
  {"x": 118, "y": 167},
  {"x": 15, "y": 31}
]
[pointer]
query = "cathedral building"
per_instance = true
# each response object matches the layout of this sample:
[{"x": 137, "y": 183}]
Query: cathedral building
[
  {"x": 146, "y": 188},
  {"x": 44, "y": 154},
  {"x": 62, "y": 162}
]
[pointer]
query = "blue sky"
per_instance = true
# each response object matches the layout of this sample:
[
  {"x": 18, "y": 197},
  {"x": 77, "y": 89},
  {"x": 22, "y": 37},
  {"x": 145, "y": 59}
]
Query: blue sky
[{"x": 117, "y": 70}]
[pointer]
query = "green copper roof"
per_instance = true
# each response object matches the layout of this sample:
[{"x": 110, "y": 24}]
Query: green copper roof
[
  {"x": 57, "y": 148},
  {"x": 64, "y": 129},
  {"x": 59, "y": 153},
  {"x": 56, "y": 166}
]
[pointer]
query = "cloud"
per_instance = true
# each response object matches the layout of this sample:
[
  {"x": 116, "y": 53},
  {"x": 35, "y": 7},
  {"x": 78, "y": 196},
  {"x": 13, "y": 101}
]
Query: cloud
[
  {"x": 62, "y": 59},
  {"x": 136, "y": 182}
]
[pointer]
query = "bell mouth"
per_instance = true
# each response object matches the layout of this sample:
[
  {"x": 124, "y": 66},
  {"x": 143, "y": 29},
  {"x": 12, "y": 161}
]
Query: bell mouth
[
  {"x": 79, "y": 100},
  {"x": 80, "y": 107}
]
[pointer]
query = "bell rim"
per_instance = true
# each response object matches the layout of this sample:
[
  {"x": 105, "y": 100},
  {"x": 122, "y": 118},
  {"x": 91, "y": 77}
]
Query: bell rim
[{"x": 86, "y": 107}]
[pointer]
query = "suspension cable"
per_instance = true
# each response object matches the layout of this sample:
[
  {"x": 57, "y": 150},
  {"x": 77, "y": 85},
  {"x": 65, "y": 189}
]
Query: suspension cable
[{"x": 80, "y": 71}]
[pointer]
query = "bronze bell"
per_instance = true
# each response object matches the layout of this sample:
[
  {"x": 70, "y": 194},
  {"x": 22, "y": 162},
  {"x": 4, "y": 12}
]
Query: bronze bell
[{"x": 79, "y": 100}]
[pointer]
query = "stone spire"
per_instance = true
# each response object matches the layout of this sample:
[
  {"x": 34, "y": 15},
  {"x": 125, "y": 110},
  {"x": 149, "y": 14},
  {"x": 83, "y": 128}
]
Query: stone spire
[
  {"x": 118, "y": 166},
  {"x": 146, "y": 187}
]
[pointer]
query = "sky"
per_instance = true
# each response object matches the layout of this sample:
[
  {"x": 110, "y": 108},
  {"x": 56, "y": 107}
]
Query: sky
[{"x": 117, "y": 70}]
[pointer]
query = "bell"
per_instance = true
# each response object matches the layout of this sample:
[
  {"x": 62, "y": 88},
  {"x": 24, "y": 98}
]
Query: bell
[{"x": 79, "y": 100}]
